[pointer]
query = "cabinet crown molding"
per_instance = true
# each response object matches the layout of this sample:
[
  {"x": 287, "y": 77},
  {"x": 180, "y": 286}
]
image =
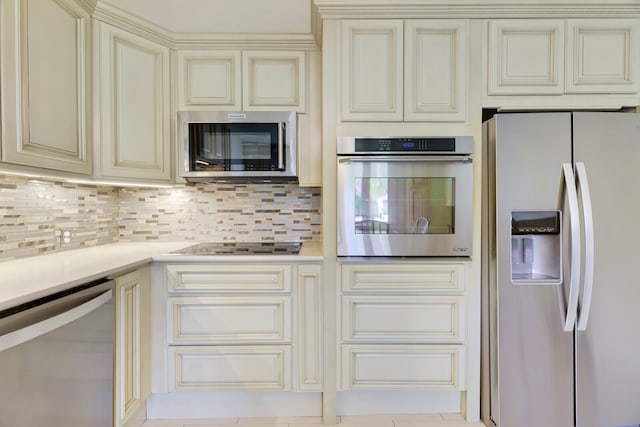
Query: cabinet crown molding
[
  {"x": 119, "y": 18},
  {"x": 368, "y": 9}
]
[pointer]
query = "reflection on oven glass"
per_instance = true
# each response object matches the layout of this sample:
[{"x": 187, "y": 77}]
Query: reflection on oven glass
[{"x": 404, "y": 205}]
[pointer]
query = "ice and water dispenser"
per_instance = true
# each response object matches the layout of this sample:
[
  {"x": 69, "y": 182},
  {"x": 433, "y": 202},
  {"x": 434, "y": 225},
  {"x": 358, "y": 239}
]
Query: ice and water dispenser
[{"x": 536, "y": 247}]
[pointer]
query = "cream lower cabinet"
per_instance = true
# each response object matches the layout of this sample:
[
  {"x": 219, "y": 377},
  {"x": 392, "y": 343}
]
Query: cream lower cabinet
[
  {"x": 402, "y": 326},
  {"x": 132, "y": 90},
  {"x": 45, "y": 81},
  {"x": 132, "y": 374},
  {"x": 243, "y": 327},
  {"x": 404, "y": 70}
]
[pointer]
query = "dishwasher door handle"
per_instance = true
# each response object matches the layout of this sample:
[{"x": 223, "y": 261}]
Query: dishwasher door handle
[{"x": 35, "y": 330}]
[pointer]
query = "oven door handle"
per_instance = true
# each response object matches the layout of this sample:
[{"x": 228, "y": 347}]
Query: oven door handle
[{"x": 401, "y": 158}]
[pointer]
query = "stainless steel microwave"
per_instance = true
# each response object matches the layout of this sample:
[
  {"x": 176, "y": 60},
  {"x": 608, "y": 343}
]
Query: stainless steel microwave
[
  {"x": 405, "y": 196},
  {"x": 253, "y": 146}
]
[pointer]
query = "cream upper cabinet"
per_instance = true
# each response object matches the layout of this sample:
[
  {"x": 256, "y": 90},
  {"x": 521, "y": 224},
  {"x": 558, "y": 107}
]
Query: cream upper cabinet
[
  {"x": 45, "y": 77},
  {"x": 209, "y": 80},
  {"x": 241, "y": 80},
  {"x": 529, "y": 57},
  {"x": 273, "y": 80},
  {"x": 605, "y": 56},
  {"x": 310, "y": 126},
  {"x": 372, "y": 54},
  {"x": 258, "y": 80},
  {"x": 411, "y": 70},
  {"x": 132, "y": 92},
  {"x": 435, "y": 70},
  {"x": 526, "y": 57}
]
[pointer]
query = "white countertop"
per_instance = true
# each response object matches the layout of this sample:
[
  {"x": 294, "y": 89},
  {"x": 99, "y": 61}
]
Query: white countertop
[{"x": 26, "y": 279}]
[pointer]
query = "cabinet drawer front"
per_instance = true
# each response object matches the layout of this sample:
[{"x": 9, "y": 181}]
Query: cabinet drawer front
[
  {"x": 403, "y": 318},
  {"x": 230, "y": 368},
  {"x": 229, "y": 319},
  {"x": 403, "y": 278},
  {"x": 228, "y": 278},
  {"x": 402, "y": 367}
]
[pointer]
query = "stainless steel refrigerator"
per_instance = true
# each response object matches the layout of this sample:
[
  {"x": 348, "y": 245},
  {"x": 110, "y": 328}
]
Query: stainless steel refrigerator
[{"x": 561, "y": 261}]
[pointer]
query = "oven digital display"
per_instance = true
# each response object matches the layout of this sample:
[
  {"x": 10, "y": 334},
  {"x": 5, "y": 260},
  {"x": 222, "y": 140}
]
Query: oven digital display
[{"x": 405, "y": 145}]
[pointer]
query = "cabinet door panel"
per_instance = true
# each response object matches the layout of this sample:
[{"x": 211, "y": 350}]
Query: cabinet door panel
[
  {"x": 372, "y": 70},
  {"x": 273, "y": 80},
  {"x": 309, "y": 286},
  {"x": 209, "y": 80},
  {"x": 310, "y": 126},
  {"x": 134, "y": 94},
  {"x": 605, "y": 56},
  {"x": 435, "y": 70},
  {"x": 45, "y": 88},
  {"x": 132, "y": 347},
  {"x": 526, "y": 57}
]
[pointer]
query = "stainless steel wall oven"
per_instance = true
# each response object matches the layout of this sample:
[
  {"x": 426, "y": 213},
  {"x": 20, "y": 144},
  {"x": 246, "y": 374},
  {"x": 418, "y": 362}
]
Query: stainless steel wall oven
[{"x": 409, "y": 196}]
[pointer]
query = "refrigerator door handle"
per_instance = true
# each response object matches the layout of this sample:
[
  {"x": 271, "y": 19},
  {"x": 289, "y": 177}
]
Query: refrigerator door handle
[
  {"x": 568, "y": 188},
  {"x": 585, "y": 193}
]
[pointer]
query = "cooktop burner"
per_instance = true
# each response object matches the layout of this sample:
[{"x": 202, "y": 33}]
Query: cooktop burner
[{"x": 242, "y": 248}]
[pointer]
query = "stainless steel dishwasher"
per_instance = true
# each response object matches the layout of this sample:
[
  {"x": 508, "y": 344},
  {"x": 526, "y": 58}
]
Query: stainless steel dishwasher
[{"x": 56, "y": 359}]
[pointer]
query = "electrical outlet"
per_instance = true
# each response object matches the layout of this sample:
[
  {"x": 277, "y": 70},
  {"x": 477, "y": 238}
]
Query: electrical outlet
[{"x": 64, "y": 236}]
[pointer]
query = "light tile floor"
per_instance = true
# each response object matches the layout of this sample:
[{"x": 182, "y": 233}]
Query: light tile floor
[{"x": 399, "y": 420}]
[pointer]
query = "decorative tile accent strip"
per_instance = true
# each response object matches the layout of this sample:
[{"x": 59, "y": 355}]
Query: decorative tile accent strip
[{"x": 32, "y": 213}]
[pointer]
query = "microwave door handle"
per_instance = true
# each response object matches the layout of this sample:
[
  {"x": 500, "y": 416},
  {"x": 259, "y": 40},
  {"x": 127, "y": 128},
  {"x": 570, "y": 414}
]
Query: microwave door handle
[
  {"x": 568, "y": 188},
  {"x": 281, "y": 146},
  {"x": 589, "y": 256}
]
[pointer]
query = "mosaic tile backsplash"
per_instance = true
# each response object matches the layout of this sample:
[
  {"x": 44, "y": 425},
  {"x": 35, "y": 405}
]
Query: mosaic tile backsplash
[{"x": 33, "y": 212}]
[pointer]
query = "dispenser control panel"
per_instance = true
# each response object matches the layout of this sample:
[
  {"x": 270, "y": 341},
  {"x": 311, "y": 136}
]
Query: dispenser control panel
[{"x": 532, "y": 222}]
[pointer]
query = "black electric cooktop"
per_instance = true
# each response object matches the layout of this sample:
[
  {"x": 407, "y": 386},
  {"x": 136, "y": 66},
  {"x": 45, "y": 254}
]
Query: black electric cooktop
[{"x": 242, "y": 248}]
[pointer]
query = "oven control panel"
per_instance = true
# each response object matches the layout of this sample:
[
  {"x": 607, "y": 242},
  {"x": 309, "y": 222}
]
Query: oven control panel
[{"x": 405, "y": 145}]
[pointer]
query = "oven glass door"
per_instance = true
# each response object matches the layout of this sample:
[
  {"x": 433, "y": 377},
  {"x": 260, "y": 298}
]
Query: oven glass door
[
  {"x": 231, "y": 147},
  {"x": 417, "y": 206}
]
